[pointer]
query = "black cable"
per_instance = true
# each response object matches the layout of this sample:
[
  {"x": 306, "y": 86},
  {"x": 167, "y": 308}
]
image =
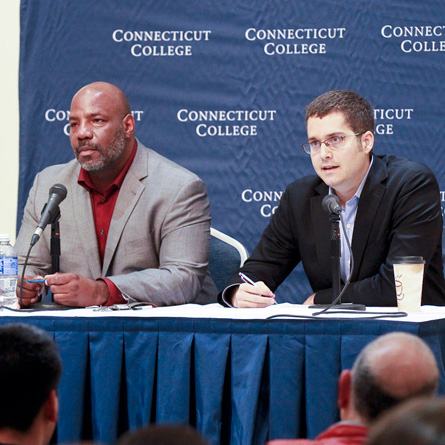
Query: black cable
[
  {"x": 23, "y": 274},
  {"x": 365, "y": 317},
  {"x": 17, "y": 310}
]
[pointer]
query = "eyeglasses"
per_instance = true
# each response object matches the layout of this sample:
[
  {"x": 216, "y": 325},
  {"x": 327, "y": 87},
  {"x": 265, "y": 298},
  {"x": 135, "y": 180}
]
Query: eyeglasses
[{"x": 336, "y": 142}]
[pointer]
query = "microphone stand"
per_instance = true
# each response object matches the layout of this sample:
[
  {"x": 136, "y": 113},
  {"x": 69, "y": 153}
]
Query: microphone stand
[
  {"x": 55, "y": 247},
  {"x": 55, "y": 244},
  {"x": 335, "y": 262},
  {"x": 335, "y": 255}
]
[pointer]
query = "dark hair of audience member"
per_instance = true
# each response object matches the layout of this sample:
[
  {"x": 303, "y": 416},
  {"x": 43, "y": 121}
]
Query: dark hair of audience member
[
  {"x": 418, "y": 421},
  {"x": 30, "y": 368},
  {"x": 163, "y": 435}
]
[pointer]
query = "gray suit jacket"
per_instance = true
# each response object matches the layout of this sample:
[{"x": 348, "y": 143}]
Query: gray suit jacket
[{"x": 158, "y": 243}]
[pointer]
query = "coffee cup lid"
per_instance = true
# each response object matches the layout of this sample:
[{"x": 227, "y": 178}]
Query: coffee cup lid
[{"x": 408, "y": 260}]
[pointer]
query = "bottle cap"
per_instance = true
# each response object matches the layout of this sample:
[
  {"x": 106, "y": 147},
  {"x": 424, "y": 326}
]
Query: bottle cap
[{"x": 5, "y": 237}]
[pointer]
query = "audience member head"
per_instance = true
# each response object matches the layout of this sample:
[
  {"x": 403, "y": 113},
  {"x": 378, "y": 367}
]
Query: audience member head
[
  {"x": 30, "y": 369},
  {"x": 418, "y": 422},
  {"x": 391, "y": 369},
  {"x": 356, "y": 110},
  {"x": 163, "y": 435}
]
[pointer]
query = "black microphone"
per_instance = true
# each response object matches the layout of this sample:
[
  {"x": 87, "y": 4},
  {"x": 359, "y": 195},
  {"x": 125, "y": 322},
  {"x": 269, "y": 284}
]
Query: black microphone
[
  {"x": 57, "y": 193},
  {"x": 331, "y": 204}
]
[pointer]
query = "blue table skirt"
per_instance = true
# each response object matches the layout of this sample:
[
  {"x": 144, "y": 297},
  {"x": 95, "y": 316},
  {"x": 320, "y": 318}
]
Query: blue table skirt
[{"x": 237, "y": 381}]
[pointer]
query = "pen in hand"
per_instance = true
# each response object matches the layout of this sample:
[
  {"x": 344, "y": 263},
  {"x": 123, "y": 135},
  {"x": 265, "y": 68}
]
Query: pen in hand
[{"x": 247, "y": 280}]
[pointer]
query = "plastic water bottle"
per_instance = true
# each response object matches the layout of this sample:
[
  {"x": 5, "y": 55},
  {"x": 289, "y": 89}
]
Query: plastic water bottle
[{"x": 8, "y": 272}]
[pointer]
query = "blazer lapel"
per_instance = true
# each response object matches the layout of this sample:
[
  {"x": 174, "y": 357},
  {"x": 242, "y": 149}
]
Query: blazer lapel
[
  {"x": 83, "y": 215},
  {"x": 370, "y": 200},
  {"x": 129, "y": 195}
]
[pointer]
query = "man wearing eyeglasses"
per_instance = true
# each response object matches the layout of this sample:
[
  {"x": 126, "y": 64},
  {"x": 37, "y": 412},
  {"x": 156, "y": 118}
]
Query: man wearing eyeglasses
[{"x": 390, "y": 206}]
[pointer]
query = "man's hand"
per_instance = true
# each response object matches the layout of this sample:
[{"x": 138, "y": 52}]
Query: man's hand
[
  {"x": 247, "y": 295},
  {"x": 31, "y": 291},
  {"x": 72, "y": 289},
  {"x": 310, "y": 300}
]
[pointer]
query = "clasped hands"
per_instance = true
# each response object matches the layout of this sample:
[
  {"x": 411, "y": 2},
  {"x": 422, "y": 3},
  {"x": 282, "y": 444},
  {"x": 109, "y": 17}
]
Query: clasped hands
[{"x": 68, "y": 289}]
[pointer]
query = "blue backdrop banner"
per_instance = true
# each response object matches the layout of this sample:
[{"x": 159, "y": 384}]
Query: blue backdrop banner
[{"x": 221, "y": 87}]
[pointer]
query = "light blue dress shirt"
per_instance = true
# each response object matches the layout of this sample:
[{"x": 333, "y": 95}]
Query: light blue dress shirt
[{"x": 349, "y": 212}]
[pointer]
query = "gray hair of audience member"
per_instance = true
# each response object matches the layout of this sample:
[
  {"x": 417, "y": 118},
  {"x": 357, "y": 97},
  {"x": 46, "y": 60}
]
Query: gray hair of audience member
[
  {"x": 419, "y": 422},
  {"x": 163, "y": 435},
  {"x": 30, "y": 368},
  {"x": 390, "y": 369}
]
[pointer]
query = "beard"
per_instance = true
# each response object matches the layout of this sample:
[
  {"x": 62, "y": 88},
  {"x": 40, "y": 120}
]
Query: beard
[{"x": 108, "y": 155}]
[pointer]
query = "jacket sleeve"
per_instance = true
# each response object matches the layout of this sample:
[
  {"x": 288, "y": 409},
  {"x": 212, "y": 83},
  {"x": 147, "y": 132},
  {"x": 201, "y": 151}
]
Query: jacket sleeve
[{"x": 276, "y": 254}]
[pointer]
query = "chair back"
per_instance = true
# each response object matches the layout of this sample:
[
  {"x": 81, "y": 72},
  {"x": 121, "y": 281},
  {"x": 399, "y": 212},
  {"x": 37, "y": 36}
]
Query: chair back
[{"x": 226, "y": 256}]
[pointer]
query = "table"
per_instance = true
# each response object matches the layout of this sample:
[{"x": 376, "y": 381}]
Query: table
[{"x": 238, "y": 377}]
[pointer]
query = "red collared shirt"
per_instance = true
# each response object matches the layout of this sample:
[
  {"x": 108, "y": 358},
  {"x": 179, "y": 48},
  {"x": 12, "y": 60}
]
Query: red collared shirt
[{"x": 103, "y": 207}]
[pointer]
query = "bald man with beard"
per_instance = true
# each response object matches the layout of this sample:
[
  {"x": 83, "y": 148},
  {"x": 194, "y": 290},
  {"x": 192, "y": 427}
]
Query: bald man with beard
[
  {"x": 135, "y": 226},
  {"x": 391, "y": 369}
]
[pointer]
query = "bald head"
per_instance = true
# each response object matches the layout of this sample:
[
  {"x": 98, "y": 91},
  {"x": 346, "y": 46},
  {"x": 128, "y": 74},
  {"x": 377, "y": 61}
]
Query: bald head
[
  {"x": 392, "y": 368},
  {"x": 112, "y": 93}
]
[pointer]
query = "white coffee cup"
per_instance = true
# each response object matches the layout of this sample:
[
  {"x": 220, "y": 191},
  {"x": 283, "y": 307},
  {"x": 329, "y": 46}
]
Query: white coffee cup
[{"x": 408, "y": 276}]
